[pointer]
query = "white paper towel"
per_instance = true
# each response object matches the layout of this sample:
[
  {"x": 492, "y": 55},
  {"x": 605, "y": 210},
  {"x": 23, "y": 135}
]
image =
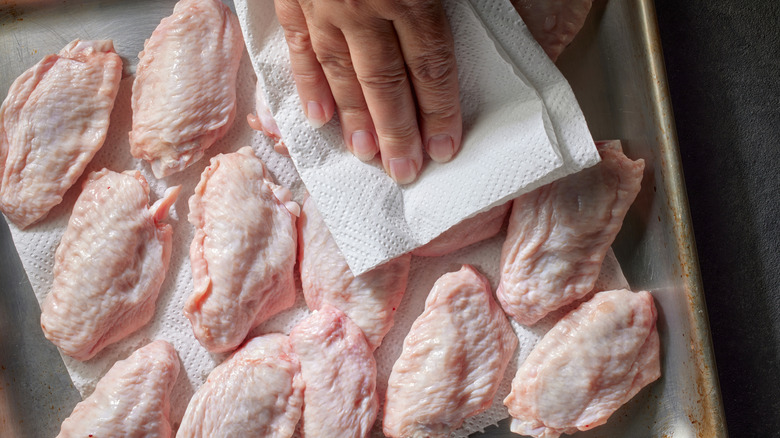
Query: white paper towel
[{"x": 522, "y": 129}]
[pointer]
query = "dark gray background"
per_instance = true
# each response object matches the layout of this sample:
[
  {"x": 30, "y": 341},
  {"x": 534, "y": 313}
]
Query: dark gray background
[{"x": 723, "y": 61}]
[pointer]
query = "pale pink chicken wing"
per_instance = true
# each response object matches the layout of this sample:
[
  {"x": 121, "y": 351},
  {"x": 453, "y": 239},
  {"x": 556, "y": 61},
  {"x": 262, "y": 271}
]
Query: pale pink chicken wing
[
  {"x": 559, "y": 234},
  {"x": 339, "y": 372},
  {"x": 243, "y": 252},
  {"x": 589, "y": 364},
  {"x": 370, "y": 299},
  {"x": 553, "y": 23},
  {"x": 264, "y": 122},
  {"x": 184, "y": 94},
  {"x": 452, "y": 361},
  {"x": 468, "y": 232},
  {"x": 257, "y": 392},
  {"x": 132, "y": 400},
  {"x": 52, "y": 123},
  {"x": 110, "y": 264}
]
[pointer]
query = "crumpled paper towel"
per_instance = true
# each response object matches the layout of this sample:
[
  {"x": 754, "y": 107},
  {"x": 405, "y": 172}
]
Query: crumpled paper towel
[{"x": 522, "y": 129}]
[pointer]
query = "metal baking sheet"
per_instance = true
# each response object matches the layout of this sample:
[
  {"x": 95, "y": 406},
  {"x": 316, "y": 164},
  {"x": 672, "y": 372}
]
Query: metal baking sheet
[{"x": 615, "y": 67}]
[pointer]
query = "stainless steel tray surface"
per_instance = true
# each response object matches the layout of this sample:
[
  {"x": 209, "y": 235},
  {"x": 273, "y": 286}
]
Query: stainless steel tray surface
[{"x": 615, "y": 66}]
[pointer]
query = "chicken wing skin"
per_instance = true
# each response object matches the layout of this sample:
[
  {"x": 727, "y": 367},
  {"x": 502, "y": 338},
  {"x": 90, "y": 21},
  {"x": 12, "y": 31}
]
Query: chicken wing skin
[
  {"x": 468, "y": 232},
  {"x": 243, "y": 251},
  {"x": 257, "y": 392},
  {"x": 184, "y": 94},
  {"x": 264, "y": 122},
  {"x": 553, "y": 23},
  {"x": 52, "y": 123},
  {"x": 132, "y": 400},
  {"x": 589, "y": 364},
  {"x": 452, "y": 360},
  {"x": 339, "y": 372},
  {"x": 559, "y": 234},
  {"x": 370, "y": 299},
  {"x": 109, "y": 266}
]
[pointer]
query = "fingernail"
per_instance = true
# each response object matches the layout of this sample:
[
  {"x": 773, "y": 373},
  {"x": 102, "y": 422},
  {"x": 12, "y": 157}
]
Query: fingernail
[
  {"x": 403, "y": 170},
  {"x": 363, "y": 145},
  {"x": 315, "y": 114},
  {"x": 441, "y": 148}
]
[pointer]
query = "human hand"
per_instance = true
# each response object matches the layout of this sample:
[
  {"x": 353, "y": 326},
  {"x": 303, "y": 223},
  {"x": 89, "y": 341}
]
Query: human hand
[{"x": 387, "y": 67}]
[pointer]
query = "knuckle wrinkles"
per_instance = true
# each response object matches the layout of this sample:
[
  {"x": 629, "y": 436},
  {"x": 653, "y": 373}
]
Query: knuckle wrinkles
[
  {"x": 353, "y": 110},
  {"x": 391, "y": 81},
  {"x": 401, "y": 134},
  {"x": 289, "y": 13},
  {"x": 298, "y": 41},
  {"x": 439, "y": 109},
  {"x": 307, "y": 77},
  {"x": 336, "y": 63},
  {"x": 433, "y": 68}
]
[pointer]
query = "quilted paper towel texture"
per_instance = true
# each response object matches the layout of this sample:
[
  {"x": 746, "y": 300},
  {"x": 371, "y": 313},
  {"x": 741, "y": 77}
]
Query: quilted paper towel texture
[{"x": 522, "y": 129}]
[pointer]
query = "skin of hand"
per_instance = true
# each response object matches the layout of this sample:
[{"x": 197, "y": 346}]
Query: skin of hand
[{"x": 387, "y": 67}]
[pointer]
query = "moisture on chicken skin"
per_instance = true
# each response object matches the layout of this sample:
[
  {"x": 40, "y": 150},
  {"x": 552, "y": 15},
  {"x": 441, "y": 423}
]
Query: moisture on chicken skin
[
  {"x": 110, "y": 264},
  {"x": 243, "y": 251},
  {"x": 452, "y": 361},
  {"x": 257, "y": 392},
  {"x": 132, "y": 400},
  {"x": 589, "y": 364},
  {"x": 339, "y": 372},
  {"x": 184, "y": 94},
  {"x": 370, "y": 299},
  {"x": 559, "y": 234},
  {"x": 264, "y": 122},
  {"x": 52, "y": 123}
]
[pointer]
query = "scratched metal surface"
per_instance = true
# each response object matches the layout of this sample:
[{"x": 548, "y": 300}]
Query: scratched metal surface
[{"x": 616, "y": 69}]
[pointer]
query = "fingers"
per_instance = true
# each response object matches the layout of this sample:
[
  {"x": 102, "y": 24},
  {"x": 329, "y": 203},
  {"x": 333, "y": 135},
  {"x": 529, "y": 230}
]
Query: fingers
[
  {"x": 312, "y": 85},
  {"x": 337, "y": 64},
  {"x": 428, "y": 49},
  {"x": 387, "y": 67},
  {"x": 388, "y": 95}
]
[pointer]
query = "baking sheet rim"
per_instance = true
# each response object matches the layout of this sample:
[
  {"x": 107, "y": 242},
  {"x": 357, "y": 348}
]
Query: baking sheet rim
[{"x": 713, "y": 420}]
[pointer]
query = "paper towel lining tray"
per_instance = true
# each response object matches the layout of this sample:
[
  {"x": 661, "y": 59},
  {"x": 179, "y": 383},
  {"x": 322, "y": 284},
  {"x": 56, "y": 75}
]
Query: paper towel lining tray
[{"x": 615, "y": 67}]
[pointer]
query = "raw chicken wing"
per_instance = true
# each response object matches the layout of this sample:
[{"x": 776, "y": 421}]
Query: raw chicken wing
[
  {"x": 184, "y": 94},
  {"x": 588, "y": 365},
  {"x": 370, "y": 299},
  {"x": 339, "y": 372},
  {"x": 132, "y": 400},
  {"x": 559, "y": 234},
  {"x": 264, "y": 122},
  {"x": 257, "y": 392},
  {"x": 243, "y": 252},
  {"x": 452, "y": 361},
  {"x": 52, "y": 123},
  {"x": 468, "y": 232},
  {"x": 110, "y": 264},
  {"x": 553, "y": 23}
]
